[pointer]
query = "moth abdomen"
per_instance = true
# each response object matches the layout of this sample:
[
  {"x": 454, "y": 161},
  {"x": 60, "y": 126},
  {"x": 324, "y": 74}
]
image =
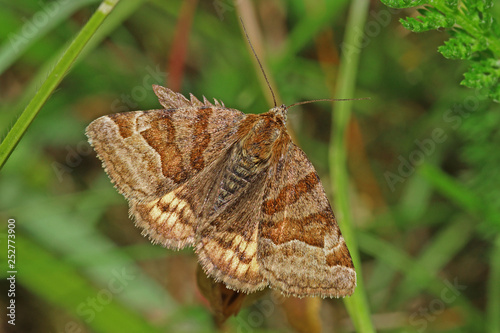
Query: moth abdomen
[{"x": 236, "y": 178}]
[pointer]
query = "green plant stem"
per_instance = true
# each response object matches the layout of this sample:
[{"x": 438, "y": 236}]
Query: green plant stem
[
  {"x": 357, "y": 304},
  {"x": 53, "y": 80},
  {"x": 120, "y": 14},
  {"x": 15, "y": 46}
]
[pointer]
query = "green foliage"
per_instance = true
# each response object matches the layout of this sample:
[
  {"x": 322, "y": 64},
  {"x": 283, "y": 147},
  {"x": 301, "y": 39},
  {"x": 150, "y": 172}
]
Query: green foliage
[
  {"x": 439, "y": 225},
  {"x": 475, "y": 36},
  {"x": 484, "y": 74},
  {"x": 404, "y": 3},
  {"x": 431, "y": 19},
  {"x": 481, "y": 152}
]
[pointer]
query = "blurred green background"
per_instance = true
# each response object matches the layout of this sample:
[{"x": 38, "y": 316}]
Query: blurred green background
[{"x": 422, "y": 159}]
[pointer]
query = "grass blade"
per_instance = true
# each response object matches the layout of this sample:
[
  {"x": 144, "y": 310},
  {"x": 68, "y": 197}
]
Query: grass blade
[
  {"x": 62, "y": 280},
  {"x": 17, "y": 44},
  {"x": 357, "y": 304},
  {"x": 54, "y": 78}
]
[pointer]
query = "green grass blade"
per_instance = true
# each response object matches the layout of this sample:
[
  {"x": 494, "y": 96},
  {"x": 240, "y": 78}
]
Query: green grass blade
[
  {"x": 17, "y": 44},
  {"x": 450, "y": 188},
  {"x": 398, "y": 259},
  {"x": 439, "y": 252},
  {"x": 78, "y": 242},
  {"x": 54, "y": 78},
  {"x": 458, "y": 193},
  {"x": 357, "y": 304},
  {"x": 309, "y": 25},
  {"x": 115, "y": 19},
  {"x": 62, "y": 280}
]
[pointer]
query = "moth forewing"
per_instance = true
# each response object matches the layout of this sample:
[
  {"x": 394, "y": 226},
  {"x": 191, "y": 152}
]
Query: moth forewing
[{"x": 232, "y": 185}]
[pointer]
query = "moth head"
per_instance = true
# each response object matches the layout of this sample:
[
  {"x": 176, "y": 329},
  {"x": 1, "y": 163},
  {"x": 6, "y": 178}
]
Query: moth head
[{"x": 280, "y": 112}]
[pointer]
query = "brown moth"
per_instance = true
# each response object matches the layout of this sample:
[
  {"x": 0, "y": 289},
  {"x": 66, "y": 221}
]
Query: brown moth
[{"x": 232, "y": 185}]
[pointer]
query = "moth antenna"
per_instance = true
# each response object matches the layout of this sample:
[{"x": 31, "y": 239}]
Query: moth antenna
[
  {"x": 328, "y": 100},
  {"x": 260, "y": 65}
]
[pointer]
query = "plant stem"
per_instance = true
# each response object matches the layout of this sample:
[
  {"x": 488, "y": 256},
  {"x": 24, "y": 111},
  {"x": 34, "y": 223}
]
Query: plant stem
[
  {"x": 53, "y": 79},
  {"x": 357, "y": 304},
  {"x": 16, "y": 45}
]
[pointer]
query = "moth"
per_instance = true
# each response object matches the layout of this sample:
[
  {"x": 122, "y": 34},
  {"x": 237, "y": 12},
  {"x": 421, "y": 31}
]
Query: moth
[{"x": 232, "y": 185}]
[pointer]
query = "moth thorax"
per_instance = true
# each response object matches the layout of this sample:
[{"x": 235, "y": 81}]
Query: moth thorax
[{"x": 259, "y": 142}]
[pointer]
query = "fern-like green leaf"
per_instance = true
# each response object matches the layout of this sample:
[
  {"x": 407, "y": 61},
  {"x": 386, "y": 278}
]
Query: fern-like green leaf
[
  {"x": 431, "y": 19},
  {"x": 451, "y": 3},
  {"x": 484, "y": 74},
  {"x": 403, "y": 3},
  {"x": 462, "y": 46},
  {"x": 475, "y": 36}
]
